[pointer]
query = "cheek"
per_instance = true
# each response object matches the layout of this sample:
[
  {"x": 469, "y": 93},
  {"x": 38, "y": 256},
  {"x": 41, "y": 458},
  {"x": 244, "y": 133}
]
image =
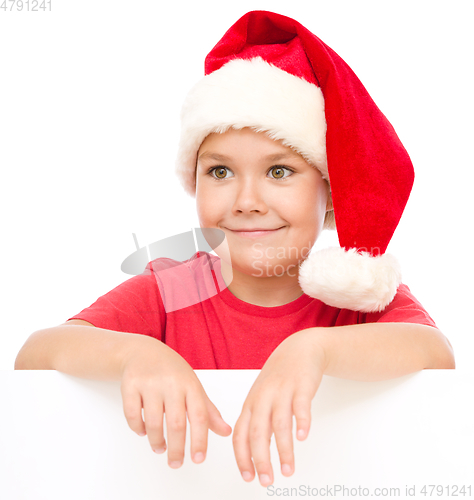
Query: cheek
[
  {"x": 203, "y": 212},
  {"x": 306, "y": 207},
  {"x": 306, "y": 213},
  {"x": 209, "y": 206},
  {"x": 201, "y": 207}
]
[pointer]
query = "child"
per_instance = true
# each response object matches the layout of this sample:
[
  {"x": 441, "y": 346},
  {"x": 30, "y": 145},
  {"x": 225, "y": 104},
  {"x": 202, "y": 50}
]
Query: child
[{"x": 279, "y": 140}]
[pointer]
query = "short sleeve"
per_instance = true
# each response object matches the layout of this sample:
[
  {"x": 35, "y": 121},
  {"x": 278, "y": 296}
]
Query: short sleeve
[
  {"x": 404, "y": 308},
  {"x": 135, "y": 306}
]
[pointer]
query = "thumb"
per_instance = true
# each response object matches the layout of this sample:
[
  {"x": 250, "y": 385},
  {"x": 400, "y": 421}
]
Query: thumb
[{"x": 216, "y": 422}]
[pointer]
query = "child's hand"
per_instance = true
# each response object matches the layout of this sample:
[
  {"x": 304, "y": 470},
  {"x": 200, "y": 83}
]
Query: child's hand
[
  {"x": 285, "y": 387},
  {"x": 158, "y": 379}
]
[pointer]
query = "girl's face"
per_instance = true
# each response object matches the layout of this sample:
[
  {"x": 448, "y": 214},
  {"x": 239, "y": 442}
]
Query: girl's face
[{"x": 267, "y": 199}]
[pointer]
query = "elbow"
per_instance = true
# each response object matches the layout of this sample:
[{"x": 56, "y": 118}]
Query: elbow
[
  {"x": 445, "y": 362},
  {"x": 20, "y": 361},
  {"x": 25, "y": 359},
  {"x": 443, "y": 357},
  {"x": 449, "y": 362}
]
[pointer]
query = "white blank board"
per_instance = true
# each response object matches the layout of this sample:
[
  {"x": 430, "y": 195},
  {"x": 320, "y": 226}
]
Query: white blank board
[{"x": 67, "y": 438}]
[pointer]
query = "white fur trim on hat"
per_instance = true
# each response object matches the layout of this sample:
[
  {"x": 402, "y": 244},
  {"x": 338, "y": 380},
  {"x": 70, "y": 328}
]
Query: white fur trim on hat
[
  {"x": 350, "y": 279},
  {"x": 252, "y": 93}
]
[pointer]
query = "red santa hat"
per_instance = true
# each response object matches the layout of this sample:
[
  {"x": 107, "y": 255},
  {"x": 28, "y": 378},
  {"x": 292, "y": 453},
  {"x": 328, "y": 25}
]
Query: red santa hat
[{"x": 270, "y": 73}]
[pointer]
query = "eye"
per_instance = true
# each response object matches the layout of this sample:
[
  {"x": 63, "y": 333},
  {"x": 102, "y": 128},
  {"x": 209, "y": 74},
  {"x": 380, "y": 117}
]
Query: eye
[
  {"x": 219, "y": 172},
  {"x": 278, "y": 172}
]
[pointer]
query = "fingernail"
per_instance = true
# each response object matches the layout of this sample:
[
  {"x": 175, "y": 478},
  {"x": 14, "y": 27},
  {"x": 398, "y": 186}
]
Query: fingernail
[
  {"x": 286, "y": 469},
  {"x": 160, "y": 450},
  {"x": 199, "y": 457},
  {"x": 176, "y": 464},
  {"x": 246, "y": 475},
  {"x": 301, "y": 434},
  {"x": 264, "y": 480},
  {"x": 141, "y": 434}
]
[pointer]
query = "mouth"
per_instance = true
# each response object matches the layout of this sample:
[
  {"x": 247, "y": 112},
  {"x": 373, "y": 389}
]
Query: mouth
[{"x": 255, "y": 233}]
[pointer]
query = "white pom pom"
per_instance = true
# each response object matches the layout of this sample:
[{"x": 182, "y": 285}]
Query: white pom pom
[{"x": 350, "y": 279}]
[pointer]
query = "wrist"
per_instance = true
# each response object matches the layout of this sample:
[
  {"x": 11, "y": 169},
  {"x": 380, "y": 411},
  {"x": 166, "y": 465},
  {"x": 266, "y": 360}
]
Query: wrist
[
  {"x": 136, "y": 347},
  {"x": 313, "y": 340}
]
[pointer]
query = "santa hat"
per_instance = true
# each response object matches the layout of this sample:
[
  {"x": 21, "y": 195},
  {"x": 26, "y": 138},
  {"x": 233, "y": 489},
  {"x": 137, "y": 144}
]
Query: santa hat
[{"x": 270, "y": 73}]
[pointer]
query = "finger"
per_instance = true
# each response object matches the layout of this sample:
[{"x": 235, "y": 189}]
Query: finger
[
  {"x": 132, "y": 409},
  {"x": 199, "y": 424},
  {"x": 259, "y": 439},
  {"x": 302, "y": 412},
  {"x": 175, "y": 412},
  {"x": 216, "y": 422},
  {"x": 153, "y": 410},
  {"x": 240, "y": 441},
  {"x": 282, "y": 425}
]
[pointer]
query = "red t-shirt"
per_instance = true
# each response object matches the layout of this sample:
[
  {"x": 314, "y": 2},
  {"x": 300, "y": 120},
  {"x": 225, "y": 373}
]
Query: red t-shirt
[{"x": 187, "y": 306}]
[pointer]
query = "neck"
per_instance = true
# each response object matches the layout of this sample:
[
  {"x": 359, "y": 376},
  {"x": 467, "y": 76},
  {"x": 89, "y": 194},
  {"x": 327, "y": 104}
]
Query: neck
[{"x": 270, "y": 291}]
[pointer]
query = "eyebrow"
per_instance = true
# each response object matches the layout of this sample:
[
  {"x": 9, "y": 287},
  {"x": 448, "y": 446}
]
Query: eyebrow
[{"x": 274, "y": 157}]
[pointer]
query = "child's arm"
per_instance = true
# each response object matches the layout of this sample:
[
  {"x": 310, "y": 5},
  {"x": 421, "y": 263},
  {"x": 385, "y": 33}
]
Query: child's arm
[
  {"x": 152, "y": 375},
  {"x": 292, "y": 374}
]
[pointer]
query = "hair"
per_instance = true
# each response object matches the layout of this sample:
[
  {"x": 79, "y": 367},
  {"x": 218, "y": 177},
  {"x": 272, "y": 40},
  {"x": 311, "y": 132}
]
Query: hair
[{"x": 329, "y": 219}]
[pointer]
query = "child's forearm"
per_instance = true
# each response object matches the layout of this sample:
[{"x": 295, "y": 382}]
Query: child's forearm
[
  {"x": 82, "y": 351},
  {"x": 380, "y": 351}
]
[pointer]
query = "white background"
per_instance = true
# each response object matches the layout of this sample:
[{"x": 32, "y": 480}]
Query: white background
[
  {"x": 90, "y": 96},
  {"x": 67, "y": 438}
]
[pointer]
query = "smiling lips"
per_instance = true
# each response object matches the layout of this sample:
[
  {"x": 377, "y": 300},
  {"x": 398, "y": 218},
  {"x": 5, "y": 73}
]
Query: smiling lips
[{"x": 254, "y": 233}]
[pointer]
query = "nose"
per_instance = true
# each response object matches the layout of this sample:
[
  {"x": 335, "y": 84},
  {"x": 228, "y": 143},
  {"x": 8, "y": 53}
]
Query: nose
[{"x": 250, "y": 197}]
